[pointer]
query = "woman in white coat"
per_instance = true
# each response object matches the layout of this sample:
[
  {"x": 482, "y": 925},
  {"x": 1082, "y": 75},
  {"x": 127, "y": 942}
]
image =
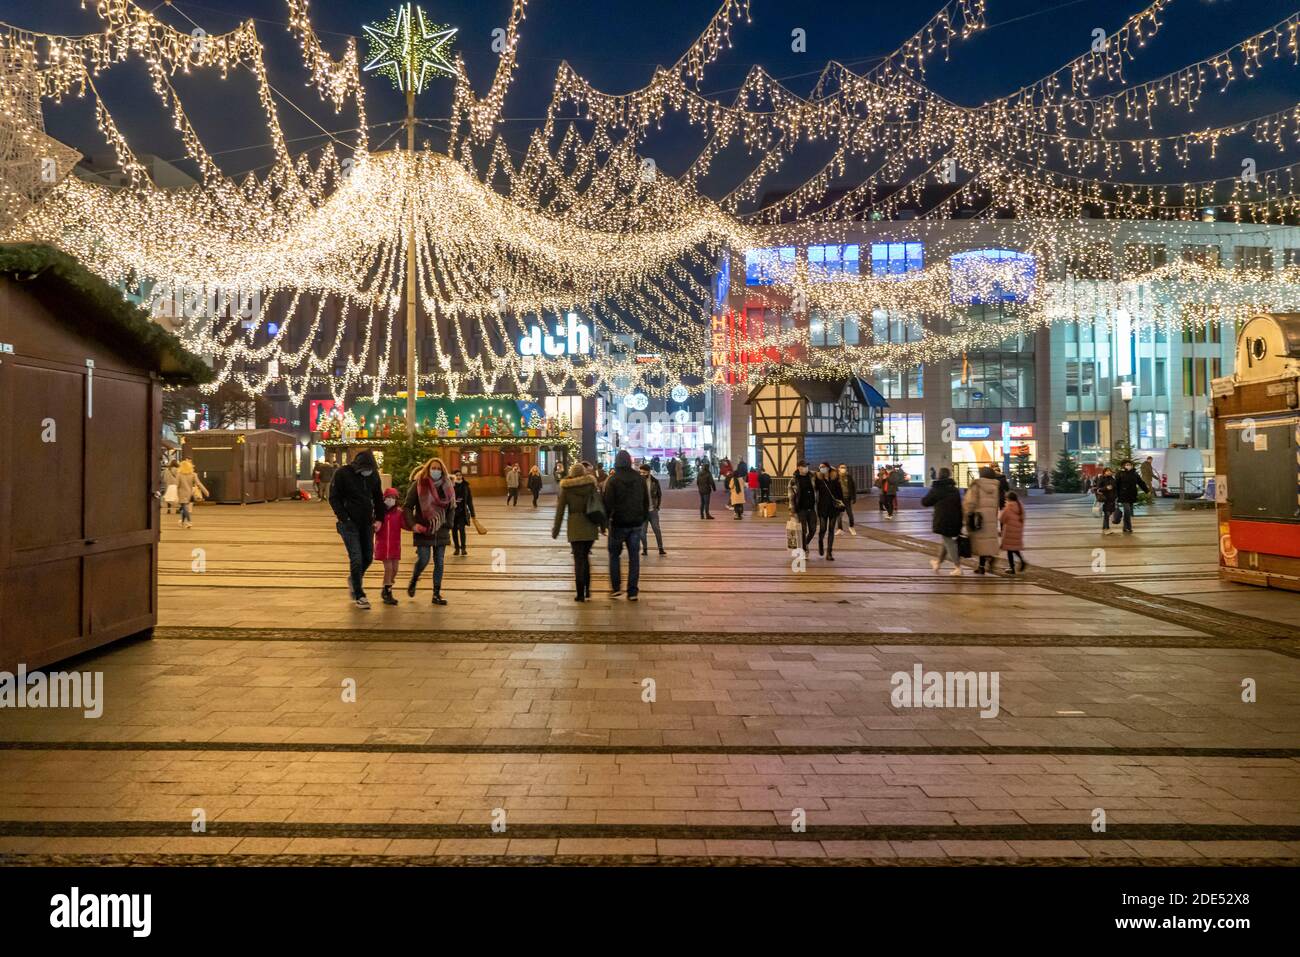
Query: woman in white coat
[{"x": 982, "y": 501}]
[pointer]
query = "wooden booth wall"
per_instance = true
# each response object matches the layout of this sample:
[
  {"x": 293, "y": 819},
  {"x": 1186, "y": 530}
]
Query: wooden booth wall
[
  {"x": 261, "y": 468},
  {"x": 79, "y": 453}
]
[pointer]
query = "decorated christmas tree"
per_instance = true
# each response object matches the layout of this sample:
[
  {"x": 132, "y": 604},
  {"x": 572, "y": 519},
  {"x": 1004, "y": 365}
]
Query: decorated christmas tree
[
  {"x": 440, "y": 422},
  {"x": 535, "y": 420}
]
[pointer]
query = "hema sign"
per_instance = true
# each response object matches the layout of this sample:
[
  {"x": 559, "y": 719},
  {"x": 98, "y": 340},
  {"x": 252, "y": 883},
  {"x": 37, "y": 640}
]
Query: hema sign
[{"x": 572, "y": 338}]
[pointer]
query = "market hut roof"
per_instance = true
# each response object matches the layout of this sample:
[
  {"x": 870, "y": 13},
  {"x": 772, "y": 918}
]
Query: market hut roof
[{"x": 104, "y": 314}]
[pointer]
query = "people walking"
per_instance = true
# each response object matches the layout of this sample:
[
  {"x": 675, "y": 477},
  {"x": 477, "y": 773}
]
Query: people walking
[
  {"x": 705, "y": 485},
  {"x": 584, "y": 525},
  {"x": 189, "y": 489},
  {"x": 803, "y": 502},
  {"x": 736, "y": 494},
  {"x": 627, "y": 505},
  {"x": 1148, "y": 472},
  {"x": 945, "y": 498},
  {"x": 512, "y": 485},
  {"x": 534, "y": 483},
  {"x": 1104, "y": 490},
  {"x": 672, "y": 473},
  {"x": 1003, "y": 485},
  {"x": 751, "y": 481},
  {"x": 887, "y": 497},
  {"x": 171, "y": 477},
  {"x": 848, "y": 495},
  {"x": 1127, "y": 484},
  {"x": 358, "y": 503},
  {"x": 1012, "y": 518},
  {"x": 981, "y": 510},
  {"x": 429, "y": 506},
  {"x": 830, "y": 502},
  {"x": 656, "y": 493},
  {"x": 388, "y": 543},
  {"x": 463, "y": 513}
]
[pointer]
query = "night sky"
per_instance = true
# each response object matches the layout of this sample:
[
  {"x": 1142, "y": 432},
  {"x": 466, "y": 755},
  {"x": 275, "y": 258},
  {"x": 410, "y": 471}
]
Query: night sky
[{"x": 617, "y": 43}]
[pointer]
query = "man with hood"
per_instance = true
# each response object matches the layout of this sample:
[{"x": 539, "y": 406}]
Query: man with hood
[
  {"x": 627, "y": 504},
  {"x": 358, "y": 502}
]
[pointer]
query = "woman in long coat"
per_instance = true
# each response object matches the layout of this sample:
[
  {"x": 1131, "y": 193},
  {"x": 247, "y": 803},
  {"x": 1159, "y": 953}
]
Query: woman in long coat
[
  {"x": 575, "y": 494},
  {"x": 429, "y": 504},
  {"x": 982, "y": 500}
]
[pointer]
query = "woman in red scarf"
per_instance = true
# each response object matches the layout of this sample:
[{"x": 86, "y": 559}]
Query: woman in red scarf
[{"x": 426, "y": 505}]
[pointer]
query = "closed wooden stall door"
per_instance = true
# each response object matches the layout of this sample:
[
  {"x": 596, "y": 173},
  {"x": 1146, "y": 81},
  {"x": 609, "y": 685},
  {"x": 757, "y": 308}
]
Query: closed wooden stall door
[
  {"x": 47, "y": 428},
  {"x": 118, "y": 478}
]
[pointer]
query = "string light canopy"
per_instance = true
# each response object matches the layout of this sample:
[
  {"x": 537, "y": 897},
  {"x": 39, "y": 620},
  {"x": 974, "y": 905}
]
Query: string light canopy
[
  {"x": 498, "y": 246},
  {"x": 407, "y": 48}
]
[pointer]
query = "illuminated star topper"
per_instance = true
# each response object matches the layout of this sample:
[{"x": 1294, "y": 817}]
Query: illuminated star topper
[{"x": 407, "y": 48}]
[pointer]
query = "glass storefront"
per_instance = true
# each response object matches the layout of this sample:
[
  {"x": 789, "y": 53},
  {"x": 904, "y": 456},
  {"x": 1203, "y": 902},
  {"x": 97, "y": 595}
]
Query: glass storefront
[{"x": 903, "y": 443}]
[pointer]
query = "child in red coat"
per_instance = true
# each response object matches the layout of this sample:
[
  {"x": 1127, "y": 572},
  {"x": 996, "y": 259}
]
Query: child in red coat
[{"x": 388, "y": 542}]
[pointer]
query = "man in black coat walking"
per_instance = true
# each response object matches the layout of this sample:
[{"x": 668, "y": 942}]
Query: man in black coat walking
[
  {"x": 358, "y": 502},
  {"x": 627, "y": 503},
  {"x": 1127, "y": 484},
  {"x": 803, "y": 502}
]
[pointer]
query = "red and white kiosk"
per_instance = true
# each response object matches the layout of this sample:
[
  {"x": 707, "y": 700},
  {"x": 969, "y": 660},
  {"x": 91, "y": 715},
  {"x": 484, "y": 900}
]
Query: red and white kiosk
[{"x": 1257, "y": 449}]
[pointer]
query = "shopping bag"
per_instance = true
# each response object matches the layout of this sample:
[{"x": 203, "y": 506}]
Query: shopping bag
[
  {"x": 963, "y": 546},
  {"x": 478, "y": 526},
  {"x": 792, "y": 534},
  {"x": 1096, "y": 507},
  {"x": 170, "y": 496}
]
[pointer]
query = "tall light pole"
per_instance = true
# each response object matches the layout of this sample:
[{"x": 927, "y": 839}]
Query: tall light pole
[{"x": 409, "y": 50}]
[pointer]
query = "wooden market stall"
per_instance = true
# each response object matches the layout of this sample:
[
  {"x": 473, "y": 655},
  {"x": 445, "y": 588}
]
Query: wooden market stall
[
  {"x": 1257, "y": 449},
  {"x": 81, "y": 376},
  {"x": 242, "y": 466}
]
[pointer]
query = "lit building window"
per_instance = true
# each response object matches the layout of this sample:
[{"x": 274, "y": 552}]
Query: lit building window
[
  {"x": 826, "y": 262},
  {"x": 888, "y": 259},
  {"x": 766, "y": 267},
  {"x": 965, "y": 280}
]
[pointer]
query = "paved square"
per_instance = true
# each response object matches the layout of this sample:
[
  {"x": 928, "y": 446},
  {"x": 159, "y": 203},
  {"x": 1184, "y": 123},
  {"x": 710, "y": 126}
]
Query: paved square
[{"x": 740, "y": 712}]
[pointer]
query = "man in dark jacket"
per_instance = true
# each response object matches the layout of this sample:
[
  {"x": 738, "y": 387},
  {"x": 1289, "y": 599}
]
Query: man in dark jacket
[
  {"x": 945, "y": 498},
  {"x": 358, "y": 502},
  {"x": 1127, "y": 484},
  {"x": 803, "y": 502},
  {"x": 652, "y": 517},
  {"x": 706, "y": 486},
  {"x": 627, "y": 503},
  {"x": 764, "y": 485},
  {"x": 1103, "y": 487}
]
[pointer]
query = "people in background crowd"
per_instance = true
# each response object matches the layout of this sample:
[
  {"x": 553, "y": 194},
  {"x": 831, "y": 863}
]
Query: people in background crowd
[
  {"x": 584, "y": 523},
  {"x": 705, "y": 485},
  {"x": 1012, "y": 518},
  {"x": 945, "y": 498},
  {"x": 803, "y": 502},
  {"x": 512, "y": 484},
  {"x": 736, "y": 494},
  {"x": 171, "y": 474},
  {"x": 627, "y": 504},
  {"x": 190, "y": 489},
  {"x": 1105, "y": 492},
  {"x": 849, "y": 495},
  {"x": 1128, "y": 484},
  {"x": 430, "y": 507},
  {"x": 830, "y": 502},
  {"x": 981, "y": 509},
  {"x": 358, "y": 503},
  {"x": 534, "y": 483},
  {"x": 764, "y": 485},
  {"x": 652, "y": 516},
  {"x": 463, "y": 513}
]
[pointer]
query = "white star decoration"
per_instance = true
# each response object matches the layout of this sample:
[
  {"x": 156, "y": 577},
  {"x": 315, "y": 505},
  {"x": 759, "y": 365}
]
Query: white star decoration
[{"x": 407, "y": 48}]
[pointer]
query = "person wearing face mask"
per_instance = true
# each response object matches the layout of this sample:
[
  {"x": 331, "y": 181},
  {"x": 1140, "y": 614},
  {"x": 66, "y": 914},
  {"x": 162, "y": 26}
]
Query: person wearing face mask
[
  {"x": 830, "y": 502},
  {"x": 849, "y": 495},
  {"x": 358, "y": 503},
  {"x": 1127, "y": 484},
  {"x": 388, "y": 543},
  {"x": 463, "y": 512},
  {"x": 429, "y": 501},
  {"x": 803, "y": 502}
]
